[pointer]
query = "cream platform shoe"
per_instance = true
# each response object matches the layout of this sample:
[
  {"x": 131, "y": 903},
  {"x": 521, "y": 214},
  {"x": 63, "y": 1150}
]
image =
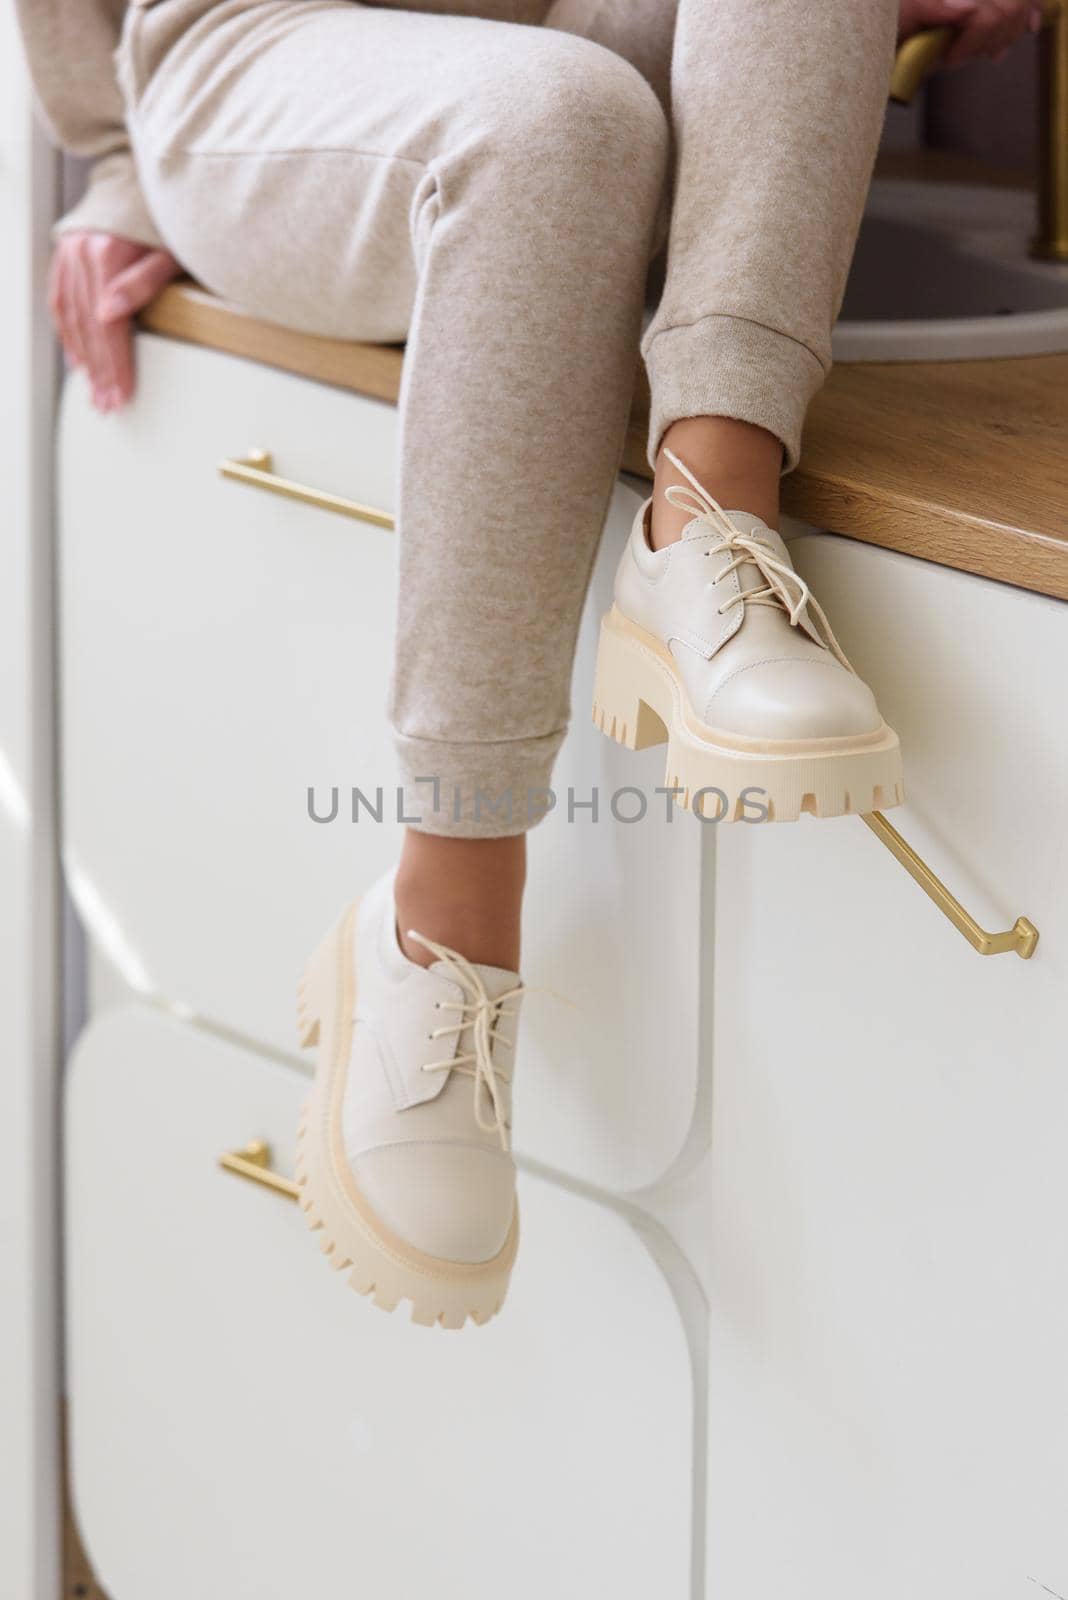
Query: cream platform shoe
[
  {"x": 404, "y": 1159},
  {"x": 716, "y": 646}
]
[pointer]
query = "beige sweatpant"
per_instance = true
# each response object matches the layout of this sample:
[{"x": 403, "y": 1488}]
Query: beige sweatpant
[{"x": 487, "y": 185}]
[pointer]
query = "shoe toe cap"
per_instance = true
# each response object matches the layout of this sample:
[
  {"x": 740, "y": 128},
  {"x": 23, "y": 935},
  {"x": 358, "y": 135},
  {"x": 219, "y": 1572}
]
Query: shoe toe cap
[
  {"x": 454, "y": 1202},
  {"x": 794, "y": 699}
]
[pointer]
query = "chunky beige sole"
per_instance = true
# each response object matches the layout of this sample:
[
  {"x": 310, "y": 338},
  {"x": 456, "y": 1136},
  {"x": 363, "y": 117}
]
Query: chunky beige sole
[
  {"x": 639, "y": 701},
  {"x": 379, "y": 1263}
]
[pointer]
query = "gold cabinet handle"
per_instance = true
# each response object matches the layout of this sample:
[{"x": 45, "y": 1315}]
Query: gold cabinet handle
[
  {"x": 1021, "y": 937},
  {"x": 254, "y": 1163},
  {"x": 257, "y": 470},
  {"x": 916, "y": 60}
]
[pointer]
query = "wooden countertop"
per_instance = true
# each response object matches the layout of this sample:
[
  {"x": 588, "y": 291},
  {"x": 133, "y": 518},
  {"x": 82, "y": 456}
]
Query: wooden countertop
[{"x": 963, "y": 463}]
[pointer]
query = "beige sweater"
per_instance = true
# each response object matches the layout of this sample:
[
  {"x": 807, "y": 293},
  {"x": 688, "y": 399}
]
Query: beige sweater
[{"x": 69, "y": 45}]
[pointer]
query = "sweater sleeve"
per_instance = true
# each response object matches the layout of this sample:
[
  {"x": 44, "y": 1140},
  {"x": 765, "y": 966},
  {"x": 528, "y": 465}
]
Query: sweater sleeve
[{"x": 70, "y": 46}]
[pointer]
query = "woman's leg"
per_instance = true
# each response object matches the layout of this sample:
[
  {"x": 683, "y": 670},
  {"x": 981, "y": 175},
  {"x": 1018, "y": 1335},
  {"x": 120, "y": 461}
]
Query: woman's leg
[
  {"x": 776, "y": 111},
  {"x": 715, "y": 646},
  {"x": 489, "y": 192},
  {"x": 549, "y": 268}
]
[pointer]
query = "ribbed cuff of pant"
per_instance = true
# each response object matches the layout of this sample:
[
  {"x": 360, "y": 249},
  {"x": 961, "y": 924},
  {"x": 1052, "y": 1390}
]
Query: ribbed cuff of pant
[
  {"x": 723, "y": 366},
  {"x": 477, "y": 791}
]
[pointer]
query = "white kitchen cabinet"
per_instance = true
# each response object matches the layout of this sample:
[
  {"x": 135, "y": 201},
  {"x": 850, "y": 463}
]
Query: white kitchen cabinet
[
  {"x": 246, "y": 1427},
  {"x": 790, "y": 1308}
]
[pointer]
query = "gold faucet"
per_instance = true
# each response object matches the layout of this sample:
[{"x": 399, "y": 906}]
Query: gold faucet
[{"x": 920, "y": 55}]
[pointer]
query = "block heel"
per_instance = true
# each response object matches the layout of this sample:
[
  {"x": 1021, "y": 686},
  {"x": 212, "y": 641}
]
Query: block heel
[{"x": 622, "y": 707}]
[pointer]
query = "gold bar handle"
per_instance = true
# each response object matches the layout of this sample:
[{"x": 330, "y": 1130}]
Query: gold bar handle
[
  {"x": 1021, "y": 937},
  {"x": 916, "y": 59},
  {"x": 254, "y": 1163},
  {"x": 257, "y": 470}
]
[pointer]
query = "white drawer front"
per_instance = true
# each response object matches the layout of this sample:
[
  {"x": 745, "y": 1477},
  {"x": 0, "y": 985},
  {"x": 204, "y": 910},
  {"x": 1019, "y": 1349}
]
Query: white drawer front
[
  {"x": 224, "y": 649},
  {"x": 245, "y": 1427},
  {"x": 885, "y": 1207}
]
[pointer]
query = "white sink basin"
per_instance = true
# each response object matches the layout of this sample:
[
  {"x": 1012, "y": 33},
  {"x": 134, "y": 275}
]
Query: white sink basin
[{"x": 942, "y": 273}]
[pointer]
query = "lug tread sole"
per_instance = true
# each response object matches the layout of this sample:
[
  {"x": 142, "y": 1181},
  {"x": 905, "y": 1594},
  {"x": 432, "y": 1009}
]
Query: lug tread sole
[{"x": 638, "y": 701}]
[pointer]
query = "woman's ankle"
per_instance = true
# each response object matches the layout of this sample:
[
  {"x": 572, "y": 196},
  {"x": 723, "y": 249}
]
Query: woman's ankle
[
  {"x": 463, "y": 893},
  {"x": 738, "y": 463}
]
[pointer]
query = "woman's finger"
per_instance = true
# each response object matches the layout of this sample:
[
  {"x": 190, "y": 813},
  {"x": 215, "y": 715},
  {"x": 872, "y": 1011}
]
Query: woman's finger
[
  {"x": 116, "y": 339},
  {"x": 993, "y": 30},
  {"x": 976, "y": 40},
  {"x": 97, "y": 354},
  {"x": 58, "y": 306},
  {"x": 76, "y": 301},
  {"x": 1016, "y": 19},
  {"x": 132, "y": 289},
  {"x": 917, "y": 14},
  {"x": 105, "y": 342}
]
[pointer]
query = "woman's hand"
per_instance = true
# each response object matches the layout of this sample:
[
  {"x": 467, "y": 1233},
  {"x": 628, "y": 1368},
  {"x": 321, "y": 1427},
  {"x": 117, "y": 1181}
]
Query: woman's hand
[
  {"x": 96, "y": 284},
  {"x": 984, "y": 27}
]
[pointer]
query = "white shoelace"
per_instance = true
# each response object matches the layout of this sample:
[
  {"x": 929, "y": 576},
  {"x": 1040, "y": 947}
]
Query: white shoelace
[
  {"x": 779, "y": 578},
  {"x": 480, "y": 1012}
]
